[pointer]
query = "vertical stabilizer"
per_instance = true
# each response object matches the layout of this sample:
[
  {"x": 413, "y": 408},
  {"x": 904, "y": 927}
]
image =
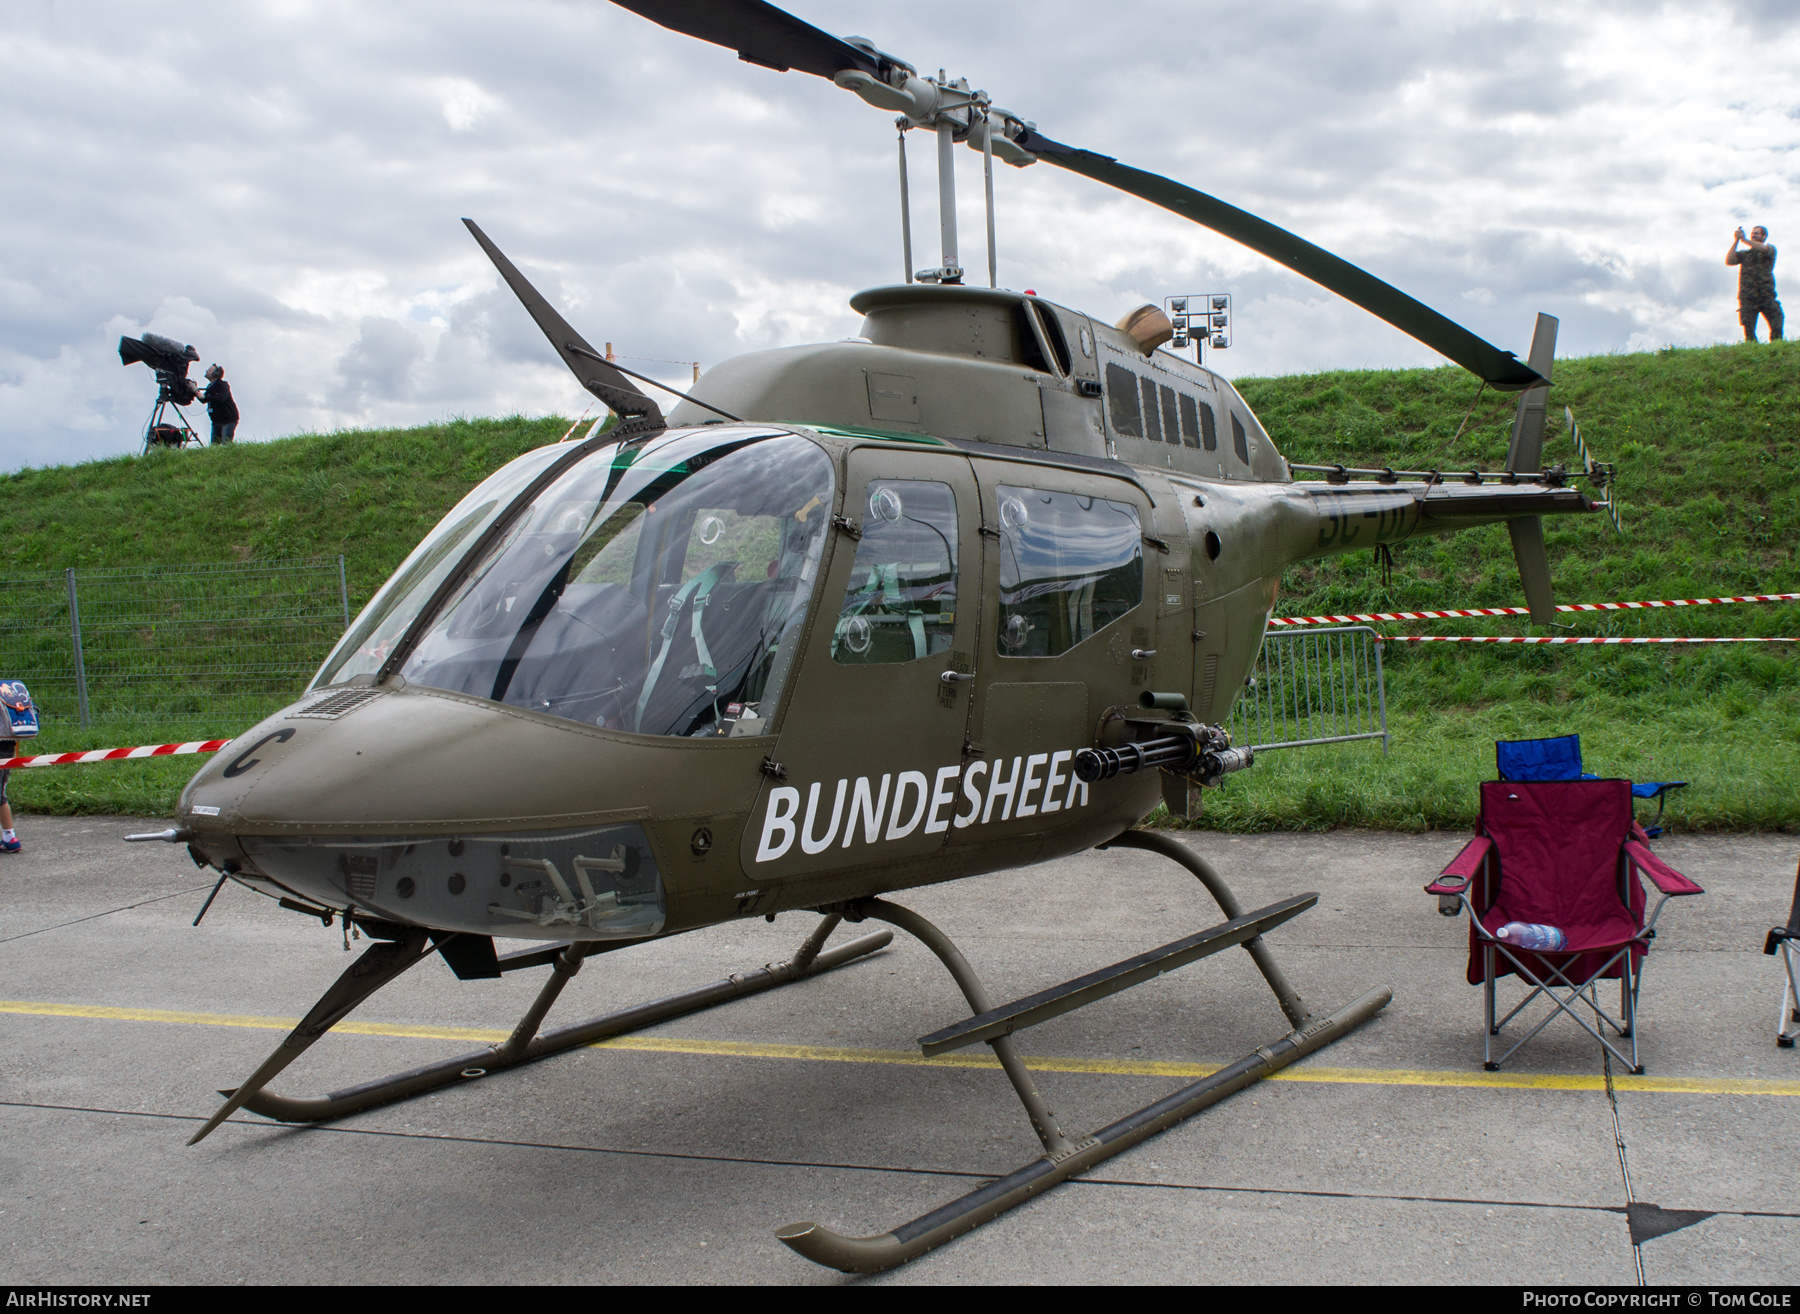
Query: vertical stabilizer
[
  {"x": 1527, "y": 449},
  {"x": 1526, "y": 453}
]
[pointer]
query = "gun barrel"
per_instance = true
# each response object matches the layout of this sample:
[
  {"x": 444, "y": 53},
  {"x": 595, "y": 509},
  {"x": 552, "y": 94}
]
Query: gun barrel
[{"x": 1173, "y": 751}]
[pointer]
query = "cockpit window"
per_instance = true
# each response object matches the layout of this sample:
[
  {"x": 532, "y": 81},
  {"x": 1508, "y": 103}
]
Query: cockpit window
[
  {"x": 391, "y": 612},
  {"x": 656, "y": 588},
  {"x": 1070, "y": 565}
]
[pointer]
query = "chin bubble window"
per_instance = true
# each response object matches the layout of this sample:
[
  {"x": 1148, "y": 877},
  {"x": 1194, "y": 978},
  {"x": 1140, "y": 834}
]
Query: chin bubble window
[
  {"x": 657, "y": 588},
  {"x": 1070, "y": 565},
  {"x": 901, "y": 603},
  {"x": 599, "y": 883}
]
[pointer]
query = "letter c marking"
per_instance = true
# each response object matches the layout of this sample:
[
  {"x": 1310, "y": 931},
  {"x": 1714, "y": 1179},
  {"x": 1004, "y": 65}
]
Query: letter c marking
[{"x": 243, "y": 761}]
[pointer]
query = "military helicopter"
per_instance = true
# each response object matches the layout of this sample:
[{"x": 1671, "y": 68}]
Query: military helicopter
[{"x": 974, "y": 589}]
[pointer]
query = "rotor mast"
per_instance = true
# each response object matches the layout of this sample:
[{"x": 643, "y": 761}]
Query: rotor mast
[{"x": 954, "y": 113}]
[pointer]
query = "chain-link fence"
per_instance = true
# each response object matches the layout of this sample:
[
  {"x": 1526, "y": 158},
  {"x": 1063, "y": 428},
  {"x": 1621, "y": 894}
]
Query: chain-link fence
[
  {"x": 170, "y": 650},
  {"x": 1314, "y": 687}
]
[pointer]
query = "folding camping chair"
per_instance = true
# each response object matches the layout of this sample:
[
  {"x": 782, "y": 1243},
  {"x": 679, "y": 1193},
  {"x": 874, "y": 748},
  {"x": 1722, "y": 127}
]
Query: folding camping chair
[
  {"x": 1560, "y": 759},
  {"x": 1782, "y": 940},
  {"x": 1560, "y": 853}
]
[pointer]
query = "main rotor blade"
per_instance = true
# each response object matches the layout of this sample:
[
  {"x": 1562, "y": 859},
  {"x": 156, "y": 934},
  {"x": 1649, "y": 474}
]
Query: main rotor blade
[
  {"x": 615, "y": 391},
  {"x": 759, "y": 32},
  {"x": 1501, "y": 369}
]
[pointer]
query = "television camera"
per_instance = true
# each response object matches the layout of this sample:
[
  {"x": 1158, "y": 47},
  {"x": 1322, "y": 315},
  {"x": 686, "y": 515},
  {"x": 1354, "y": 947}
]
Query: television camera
[{"x": 169, "y": 361}]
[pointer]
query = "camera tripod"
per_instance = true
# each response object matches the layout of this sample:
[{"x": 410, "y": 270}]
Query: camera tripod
[{"x": 159, "y": 433}]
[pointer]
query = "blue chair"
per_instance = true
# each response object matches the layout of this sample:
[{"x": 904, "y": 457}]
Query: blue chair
[{"x": 1560, "y": 759}]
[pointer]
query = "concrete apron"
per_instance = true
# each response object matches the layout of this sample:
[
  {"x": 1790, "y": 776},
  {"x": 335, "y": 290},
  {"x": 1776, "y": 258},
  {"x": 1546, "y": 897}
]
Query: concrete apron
[{"x": 673, "y": 1155}]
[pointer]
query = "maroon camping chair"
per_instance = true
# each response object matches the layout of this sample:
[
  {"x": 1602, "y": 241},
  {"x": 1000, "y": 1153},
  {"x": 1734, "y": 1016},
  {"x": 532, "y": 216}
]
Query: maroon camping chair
[{"x": 1562, "y": 853}]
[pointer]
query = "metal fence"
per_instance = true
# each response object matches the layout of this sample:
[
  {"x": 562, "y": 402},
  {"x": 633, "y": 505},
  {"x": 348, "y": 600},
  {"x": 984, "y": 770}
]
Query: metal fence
[
  {"x": 211, "y": 649},
  {"x": 1314, "y": 687}
]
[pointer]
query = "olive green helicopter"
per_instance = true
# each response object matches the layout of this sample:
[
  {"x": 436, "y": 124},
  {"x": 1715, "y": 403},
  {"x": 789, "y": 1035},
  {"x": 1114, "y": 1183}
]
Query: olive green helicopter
[{"x": 972, "y": 590}]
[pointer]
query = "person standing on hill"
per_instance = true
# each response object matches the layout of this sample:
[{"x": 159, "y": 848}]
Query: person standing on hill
[
  {"x": 224, "y": 411},
  {"x": 1756, "y": 282}
]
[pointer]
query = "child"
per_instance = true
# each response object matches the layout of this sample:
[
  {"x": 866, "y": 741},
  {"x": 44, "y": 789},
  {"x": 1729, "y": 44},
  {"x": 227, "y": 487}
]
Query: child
[
  {"x": 9, "y": 839},
  {"x": 19, "y": 719}
]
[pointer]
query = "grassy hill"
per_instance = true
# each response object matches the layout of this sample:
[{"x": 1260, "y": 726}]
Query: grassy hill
[
  {"x": 1708, "y": 447},
  {"x": 1707, "y": 443}
]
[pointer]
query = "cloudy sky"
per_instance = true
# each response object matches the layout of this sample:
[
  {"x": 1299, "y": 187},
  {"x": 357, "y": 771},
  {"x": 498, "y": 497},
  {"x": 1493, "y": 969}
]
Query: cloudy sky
[{"x": 280, "y": 184}]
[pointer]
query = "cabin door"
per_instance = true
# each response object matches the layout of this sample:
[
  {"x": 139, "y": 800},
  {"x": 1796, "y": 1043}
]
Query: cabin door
[{"x": 871, "y": 742}]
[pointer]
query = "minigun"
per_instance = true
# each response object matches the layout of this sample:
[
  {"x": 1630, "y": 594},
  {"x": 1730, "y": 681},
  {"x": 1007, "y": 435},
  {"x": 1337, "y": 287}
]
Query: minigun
[{"x": 1203, "y": 752}]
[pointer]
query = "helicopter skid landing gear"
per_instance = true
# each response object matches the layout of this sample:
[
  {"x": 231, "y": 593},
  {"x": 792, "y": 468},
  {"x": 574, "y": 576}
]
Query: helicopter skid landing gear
[
  {"x": 1064, "y": 1158},
  {"x": 384, "y": 960}
]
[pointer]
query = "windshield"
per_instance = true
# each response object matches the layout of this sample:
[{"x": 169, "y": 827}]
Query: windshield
[
  {"x": 366, "y": 644},
  {"x": 657, "y": 588}
]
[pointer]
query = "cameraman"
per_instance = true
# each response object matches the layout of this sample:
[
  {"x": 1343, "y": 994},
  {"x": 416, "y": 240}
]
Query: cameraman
[{"x": 224, "y": 411}]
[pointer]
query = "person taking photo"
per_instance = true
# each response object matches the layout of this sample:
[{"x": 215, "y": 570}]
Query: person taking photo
[{"x": 1756, "y": 282}]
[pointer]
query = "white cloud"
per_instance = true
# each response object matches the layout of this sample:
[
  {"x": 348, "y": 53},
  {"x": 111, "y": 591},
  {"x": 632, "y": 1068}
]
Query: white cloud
[
  {"x": 281, "y": 185},
  {"x": 464, "y": 103}
]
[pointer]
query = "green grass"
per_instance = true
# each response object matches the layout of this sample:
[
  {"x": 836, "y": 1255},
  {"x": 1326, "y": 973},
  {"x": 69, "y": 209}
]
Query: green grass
[
  {"x": 1708, "y": 447},
  {"x": 369, "y": 495}
]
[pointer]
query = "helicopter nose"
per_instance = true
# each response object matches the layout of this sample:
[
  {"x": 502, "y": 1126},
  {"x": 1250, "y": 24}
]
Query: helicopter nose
[
  {"x": 421, "y": 761},
  {"x": 454, "y": 813}
]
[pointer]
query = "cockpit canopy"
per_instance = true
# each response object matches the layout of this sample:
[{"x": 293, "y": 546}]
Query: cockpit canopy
[{"x": 656, "y": 587}]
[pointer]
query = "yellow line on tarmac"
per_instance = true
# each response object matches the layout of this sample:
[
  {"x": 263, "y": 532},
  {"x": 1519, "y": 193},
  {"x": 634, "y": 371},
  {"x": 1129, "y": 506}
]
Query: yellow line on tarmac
[{"x": 974, "y": 1059}]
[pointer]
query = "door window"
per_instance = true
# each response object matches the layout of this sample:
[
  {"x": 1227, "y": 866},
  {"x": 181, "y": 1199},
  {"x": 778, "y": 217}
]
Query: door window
[
  {"x": 1070, "y": 565},
  {"x": 901, "y": 601}
]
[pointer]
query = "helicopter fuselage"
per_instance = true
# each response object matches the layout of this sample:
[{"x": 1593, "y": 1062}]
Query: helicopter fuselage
[{"x": 995, "y": 524}]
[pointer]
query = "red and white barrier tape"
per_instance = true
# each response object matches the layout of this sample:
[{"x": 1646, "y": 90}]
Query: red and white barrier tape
[
  {"x": 1532, "y": 638},
  {"x": 1363, "y": 618},
  {"x": 114, "y": 754}
]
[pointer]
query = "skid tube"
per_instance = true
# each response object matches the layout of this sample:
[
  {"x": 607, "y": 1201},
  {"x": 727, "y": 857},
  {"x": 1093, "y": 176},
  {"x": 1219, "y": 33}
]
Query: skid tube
[
  {"x": 1063, "y": 1157},
  {"x": 871, "y": 1254},
  {"x": 384, "y": 961}
]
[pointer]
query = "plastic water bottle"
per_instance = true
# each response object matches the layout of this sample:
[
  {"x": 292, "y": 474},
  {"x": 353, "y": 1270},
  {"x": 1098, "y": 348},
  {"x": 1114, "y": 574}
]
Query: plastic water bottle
[{"x": 1532, "y": 935}]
